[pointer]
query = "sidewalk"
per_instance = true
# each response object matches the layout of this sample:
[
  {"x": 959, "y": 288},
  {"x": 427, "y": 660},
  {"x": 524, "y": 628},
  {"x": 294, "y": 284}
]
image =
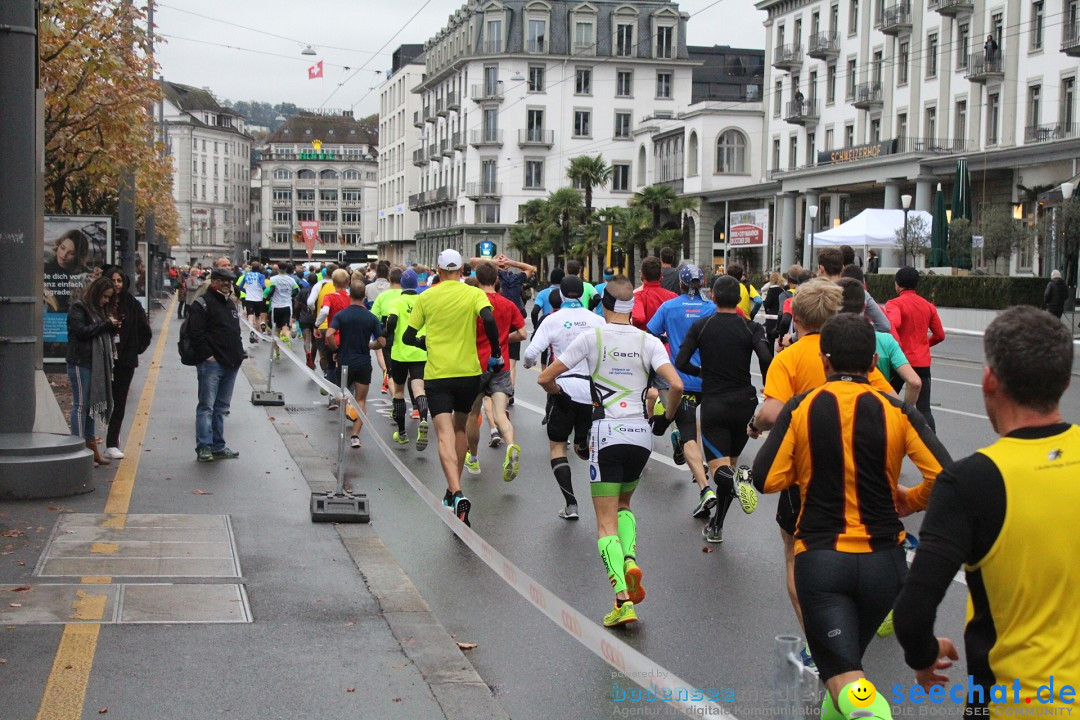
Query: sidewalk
[{"x": 176, "y": 639}]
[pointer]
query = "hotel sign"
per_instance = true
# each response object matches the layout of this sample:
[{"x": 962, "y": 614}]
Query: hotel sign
[
  {"x": 316, "y": 152},
  {"x": 856, "y": 153}
]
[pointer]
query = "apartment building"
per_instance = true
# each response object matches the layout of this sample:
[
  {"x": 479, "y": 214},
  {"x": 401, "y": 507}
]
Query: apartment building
[
  {"x": 513, "y": 89},
  {"x": 397, "y": 223},
  {"x": 320, "y": 168}
]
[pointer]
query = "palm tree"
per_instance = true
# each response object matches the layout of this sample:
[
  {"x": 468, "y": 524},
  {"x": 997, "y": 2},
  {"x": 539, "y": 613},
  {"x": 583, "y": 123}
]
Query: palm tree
[
  {"x": 528, "y": 235},
  {"x": 656, "y": 199},
  {"x": 563, "y": 207},
  {"x": 587, "y": 172}
]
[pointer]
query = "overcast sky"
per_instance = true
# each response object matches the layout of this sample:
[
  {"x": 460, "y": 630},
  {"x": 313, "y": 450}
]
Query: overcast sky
[{"x": 345, "y": 34}]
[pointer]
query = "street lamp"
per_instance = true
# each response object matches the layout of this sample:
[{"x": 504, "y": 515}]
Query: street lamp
[
  {"x": 905, "y": 200},
  {"x": 813, "y": 222}
]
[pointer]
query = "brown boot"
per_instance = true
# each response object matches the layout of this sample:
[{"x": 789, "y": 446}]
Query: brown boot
[{"x": 99, "y": 459}]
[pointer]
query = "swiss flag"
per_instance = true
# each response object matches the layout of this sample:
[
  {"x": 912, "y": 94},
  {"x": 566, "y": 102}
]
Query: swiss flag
[{"x": 315, "y": 71}]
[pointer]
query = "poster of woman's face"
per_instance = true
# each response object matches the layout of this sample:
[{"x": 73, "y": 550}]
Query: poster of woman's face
[{"x": 74, "y": 246}]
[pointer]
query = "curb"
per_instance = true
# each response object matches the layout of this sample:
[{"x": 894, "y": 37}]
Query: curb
[{"x": 454, "y": 682}]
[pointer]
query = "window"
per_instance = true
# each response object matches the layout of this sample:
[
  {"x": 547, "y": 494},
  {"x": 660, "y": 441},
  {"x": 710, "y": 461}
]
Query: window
[
  {"x": 624, "y": 83},
  {"x": 494, "y": 36},
  {"x": 875, "y": 130},
  {"x": 665, "y": 34},
  {"x": 793, "y": 151},
  {"x": 328, "y": 216},
  {"x": 778, "y": 98},
  {"x": 536, "y": 78},
  {"x": 351, "y": 174},
  {"x": 537, "y": 36},
  {"x": 622, "y": 125},
  {"x": 851, "y": 78},
  {"x": 877, "y": 68},
  {"x": 282, "y": 217},
  {"x": 624, "y": 40},
  {"x": 583, "y": 37},
  {"x": 997, "y": 22},
  {"x": 487, "y": 214},
  {"x": 692, "y": 156},
  {"x": 620, "y": 177},
  {"x": 1037, "y": 25},
  {"x": 853, "y": 17},
  {"x": 328, "y": 175},
  {"x": 960, "y": 131},
  {"x": 534, "y": 120},
  {"x": 203, "y": 167},
  {"x": 282, "y": 237},
  {"x": 829, "y": 138},
  {"x": 811, "y": 91},
  {"x": 731, "y": 153},
  {"x": 491, "y": 123},
  {"x": 582, "y": 123},
  {"x": 834, "y": 18},
  {"x": 283, "y": 194},
  {"x": 810, "y": 139},
  {"x": 305, "y": 174},
  {"x": 351, "y": 217},
  {"x": 825, "y": 211},
  {"x": 830, "y": 84},
  {"x": 992, "y": 112},
  {"x": 931, "y": 123},
  {"x": 534, "y": 174},
  {"x": 1034, "y": 104},
  {"x": 1068, "y": 102},
  {"x": 489, "y": 173},
  {"x": 849, "y": 135},
  {"x": 350, "y": 196},
  {"x": 931, "y": 55},
  {"x": 963, "y": 36},
  {"x": 776, "y": 154},
  {"x": 328, "y": 196},
  {"x": 305, "y": 215},
  {"x": 663, "y": 85},
  {"x": 583, "y": 81},
  {"x": 903, "y": 57}
]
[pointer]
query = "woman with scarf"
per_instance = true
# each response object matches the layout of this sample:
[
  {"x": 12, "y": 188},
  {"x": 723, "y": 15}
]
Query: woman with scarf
[
  {"x": 132, "y": 338},
  {"x": 91, "y": 325}
]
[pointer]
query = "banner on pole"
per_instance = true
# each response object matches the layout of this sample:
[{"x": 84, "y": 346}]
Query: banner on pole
[
  {"x": 310, "y": 230},
  {"x": 749, "y": 228}
]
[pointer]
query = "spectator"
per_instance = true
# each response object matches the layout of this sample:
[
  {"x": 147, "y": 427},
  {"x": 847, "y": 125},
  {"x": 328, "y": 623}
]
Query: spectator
[
  {"x": 990, "y": 47},
  {"x": 1055, "y": 294},
  {"x": 873, "y": 263},
  {"x": 90, "y": 329},
  {"x": 132, "y": 338}
]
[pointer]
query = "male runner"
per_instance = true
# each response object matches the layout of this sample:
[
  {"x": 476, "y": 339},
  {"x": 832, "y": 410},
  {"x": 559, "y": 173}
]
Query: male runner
[
  {"x": 354, "y": 332},
  {"x": 841, "y": 446},
  {"x": 495, "y": 384},
  {"x": 621, "y": 360},
  {"x": 608, "y": 273},
  {"x": 380, "y": 309},
  {"x": 406, "y": 362},
  {"x": 916, "y": 324},
  {"x": 281, "y": 289},
  {"x": 650, "y": 295},
  {"x": 253, "y": 283},
  {"x": 717, "y": 349},
  {"x": 671, "y": 323},
  {"x": 332, "y": 303},
  {"x": 571, "y": 409},
  {"x": 831, "y": 267},
  {"x": 1007, "y": 514},
  {"x": 447, "y": 313}
]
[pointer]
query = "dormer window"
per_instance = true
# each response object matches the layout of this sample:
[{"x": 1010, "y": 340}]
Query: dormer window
[
  {"x": 537, "y": 22},
  {"x": 624, "y": 21},
  {"x": 584, "y": 32},
  {"x": 665, "y": 34}
]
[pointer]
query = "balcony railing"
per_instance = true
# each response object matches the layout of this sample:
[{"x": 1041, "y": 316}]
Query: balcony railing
[
  {"x": 457, "y": 141},
  {"x": 453, "y": 100},
  {"x": 488, "y": 91},
  {"x": 491, "y": 47},
  {"x": 802, "y": 112},
  {"x": 981, "y": 68},
  {"x": 1070, "y": 39},
  {"x": 868, "y": 96},
  {"x": 418, "y": 119},
  {"x": 896, "y": 19},
  {"x": 583, "y": 48},
  {"x": 483, "y": 190},
  {"x": 788, "y": 57},
  {"x": 444, "y": 147},
  {"x": 536, "y": 136},
  {"x": 418, "y": 157},
  {"x": 536, "y": 46},
  {"x": 1054, "y": 131},
  {"x": 943, "y": 146},
  {"x": 432, "y": 151},
  {"x": 824, "y": 45},
  {"x": 486, "y": 138},
  {"x": 440, "y": 107},
  {"x": 952, "y": 8},
  {"x": 282, "y": 202}
]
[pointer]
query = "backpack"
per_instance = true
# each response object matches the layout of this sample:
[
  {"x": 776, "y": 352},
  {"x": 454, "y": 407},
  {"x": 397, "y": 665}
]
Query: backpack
[{"x": 183, "y": 345}]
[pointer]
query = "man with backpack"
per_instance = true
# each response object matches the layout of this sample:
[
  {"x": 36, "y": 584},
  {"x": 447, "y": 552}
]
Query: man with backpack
[{"x": 210, "y": 340}]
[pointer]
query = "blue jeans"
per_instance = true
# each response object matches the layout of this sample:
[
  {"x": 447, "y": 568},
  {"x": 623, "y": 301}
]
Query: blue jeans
[
  {"x": 215, "y": 394},
  {"x": 82, "y": 425}
]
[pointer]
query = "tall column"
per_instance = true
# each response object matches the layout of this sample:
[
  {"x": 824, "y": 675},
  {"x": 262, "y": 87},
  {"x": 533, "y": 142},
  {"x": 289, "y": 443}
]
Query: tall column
[
  {"x": 810, "y": 198},
  {"x": 787, "y": 230},
  {"x": 892, "y": 194},
  {"x": 924, "y": 193},
  {"x": 704, "y": 231}
]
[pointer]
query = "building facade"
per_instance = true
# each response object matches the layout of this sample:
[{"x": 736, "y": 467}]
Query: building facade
[
  {"x": 398, "y": 136},
  {"x": 514, "y": 89},
  {"x": 319, "y": 169},
  {"x": 211, "y": 154}
]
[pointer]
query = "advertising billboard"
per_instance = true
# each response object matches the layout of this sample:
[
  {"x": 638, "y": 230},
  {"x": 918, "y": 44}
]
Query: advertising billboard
[
  {"x": 749, "y": 228},
  {"x": 74, "y": 246}
]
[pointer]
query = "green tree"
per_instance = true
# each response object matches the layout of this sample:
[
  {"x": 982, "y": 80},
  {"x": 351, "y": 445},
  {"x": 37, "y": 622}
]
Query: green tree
[
  {"x": 527, "y": 237},
  {"x": 916, "y": 241},
  {"x": 587, "y": 172},
  {"x": 563, "y": 212},
  {"x": 1067, "y": 234},
  {"x": 1002, "y": 234},
  {"x": 959, "y": 245}
]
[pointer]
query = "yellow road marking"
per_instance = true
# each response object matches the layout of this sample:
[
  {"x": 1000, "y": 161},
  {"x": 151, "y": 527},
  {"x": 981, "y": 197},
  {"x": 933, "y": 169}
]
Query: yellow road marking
[
  {"x": 104, "y": 548},
  {"x": 65, "y": 690}
]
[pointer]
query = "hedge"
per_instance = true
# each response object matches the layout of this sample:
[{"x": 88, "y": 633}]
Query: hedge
[{"x": 984, "y": 292}]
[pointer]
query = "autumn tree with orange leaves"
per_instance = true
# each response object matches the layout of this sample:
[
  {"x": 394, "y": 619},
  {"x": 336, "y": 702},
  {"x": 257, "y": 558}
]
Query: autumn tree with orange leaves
[{"x": 97, "y": 74}]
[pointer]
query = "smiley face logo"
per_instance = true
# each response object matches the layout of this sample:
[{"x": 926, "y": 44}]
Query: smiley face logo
[{"x": 861, "y": 693}]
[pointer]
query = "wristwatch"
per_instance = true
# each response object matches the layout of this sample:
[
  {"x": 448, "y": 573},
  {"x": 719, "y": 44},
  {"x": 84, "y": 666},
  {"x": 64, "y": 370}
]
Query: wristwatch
[{"x": 752, "y": 426}]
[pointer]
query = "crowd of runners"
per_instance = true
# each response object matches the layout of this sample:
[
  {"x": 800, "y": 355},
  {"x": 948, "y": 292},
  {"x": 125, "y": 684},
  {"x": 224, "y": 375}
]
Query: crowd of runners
[{"x": 846, "y": 397}]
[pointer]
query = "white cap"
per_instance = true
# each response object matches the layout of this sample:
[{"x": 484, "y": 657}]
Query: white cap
[
  {"x": 1055, "y": 274},
  {"x": 450, "y": 260}
]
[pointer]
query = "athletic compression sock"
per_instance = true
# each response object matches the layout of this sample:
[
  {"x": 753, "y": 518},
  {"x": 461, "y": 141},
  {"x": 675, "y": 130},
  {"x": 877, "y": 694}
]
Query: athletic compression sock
[
  {"x": 724, "y": 479},
  {"x": 628, "y": 533},
  {"x": 611, "y": 552},
  {"x": 399, "y": 414},
  {"x": 561, "y": 468},
  {"x": 421, "y": 404}
]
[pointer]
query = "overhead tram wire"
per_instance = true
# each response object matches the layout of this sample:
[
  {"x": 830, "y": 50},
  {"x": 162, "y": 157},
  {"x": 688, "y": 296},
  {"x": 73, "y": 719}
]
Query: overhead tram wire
[{"x": 243, "y": 49}]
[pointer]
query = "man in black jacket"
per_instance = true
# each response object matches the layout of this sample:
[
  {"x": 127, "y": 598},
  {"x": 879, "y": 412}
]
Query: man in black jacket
[{"x": 214, "y": 329}]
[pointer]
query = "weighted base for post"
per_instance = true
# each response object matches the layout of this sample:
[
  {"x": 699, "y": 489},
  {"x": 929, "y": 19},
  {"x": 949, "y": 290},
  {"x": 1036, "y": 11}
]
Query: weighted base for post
[
  {"x": 343, "y": 508},
  {"x": 267, "y": 397}
]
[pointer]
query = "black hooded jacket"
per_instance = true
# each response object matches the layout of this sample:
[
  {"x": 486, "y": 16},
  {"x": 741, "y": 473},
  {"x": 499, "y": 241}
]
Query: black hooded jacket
[{"x": 135, "y": 332}]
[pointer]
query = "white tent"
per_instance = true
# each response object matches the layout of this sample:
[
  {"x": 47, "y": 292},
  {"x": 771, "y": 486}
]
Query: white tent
[{"x": 871, "y": 228}]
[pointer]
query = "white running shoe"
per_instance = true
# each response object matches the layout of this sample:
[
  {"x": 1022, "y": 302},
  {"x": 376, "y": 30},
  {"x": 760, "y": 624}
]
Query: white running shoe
[{"x": 114, "y": 453}]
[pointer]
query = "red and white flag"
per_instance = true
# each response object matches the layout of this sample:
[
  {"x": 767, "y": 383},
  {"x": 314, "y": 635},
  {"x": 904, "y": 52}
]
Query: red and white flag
[
  {"x": 315, "y": 71},
  {"x": 309, "y": 229}
]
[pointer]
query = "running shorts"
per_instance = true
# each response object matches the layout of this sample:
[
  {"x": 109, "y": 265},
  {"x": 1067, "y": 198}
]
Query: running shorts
[
  {"x": 616, "y": 469},
  {"x": 496, "y": 382},
  {"x": 515, "y": 351},
  {"x": 844, "y": 598},
  {"x": 282, "y": 317},
  {"x": 455, "y": 394},
  {"x": 686, "y": 416},
  {"x": 360, "y": 374},
  {"x": 788, "y": 504},
  {"x": 568, "y": 417},
  {"x": 723, "y": 425},
  {"x": 401, "y": 371},
  {"x": 255, "y": 307}
]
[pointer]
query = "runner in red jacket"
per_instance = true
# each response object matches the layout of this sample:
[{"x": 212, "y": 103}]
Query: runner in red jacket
[{"x": 916, "y": 324}]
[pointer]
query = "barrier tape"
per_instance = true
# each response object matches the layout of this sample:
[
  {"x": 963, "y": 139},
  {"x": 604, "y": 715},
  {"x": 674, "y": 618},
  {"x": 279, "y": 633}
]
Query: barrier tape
[{"x": 630, "y": 663}]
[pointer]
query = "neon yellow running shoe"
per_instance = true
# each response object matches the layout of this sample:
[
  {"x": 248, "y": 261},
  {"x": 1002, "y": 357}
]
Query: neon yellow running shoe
[
  {"x": 421, "y": 436},
  {"x": 472, "y": 464},
  {"x": 634, "y": 588},
  {"x": 401, "y": 438},
  {"x": 744, "y": 489},
  {"x": 512, "y": 463},
  {"x": 886, "y": 628},
  {"x": 621, "y": 615}
]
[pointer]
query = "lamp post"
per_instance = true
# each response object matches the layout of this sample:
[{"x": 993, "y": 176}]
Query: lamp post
[
  {"x": 905, "y": 201},
  {"x": 813, "y": 223}
]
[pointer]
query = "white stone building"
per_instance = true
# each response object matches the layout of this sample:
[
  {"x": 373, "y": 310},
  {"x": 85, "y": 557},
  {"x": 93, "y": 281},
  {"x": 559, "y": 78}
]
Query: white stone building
[
  {"x": 516, "y": 88},
  {"x": 398, "y": 136},
  {"x": 211, "y": 154},
  {"x": 320, "y": 168}
]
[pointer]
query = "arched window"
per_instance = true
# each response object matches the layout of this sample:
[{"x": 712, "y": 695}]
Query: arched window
[
  {"x": 351, "y": 174},
  {"x": 328, "y": 175},
  {"x": 692, "y": 156},
  {"x": 641, "y": 166},
  {"x": 731, "y": 153},
  {"x": 305, "y": 174},
  {"x": 282, "y": 174}
]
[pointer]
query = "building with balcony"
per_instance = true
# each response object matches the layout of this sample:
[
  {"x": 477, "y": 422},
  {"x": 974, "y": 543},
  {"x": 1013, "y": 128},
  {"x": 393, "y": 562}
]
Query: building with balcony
[
  {"x": 320, "y": 168},
  {"x": 513, "y": 89},
  {"x": 211, "y": 153},
  {"x": 399, "y": 164}
]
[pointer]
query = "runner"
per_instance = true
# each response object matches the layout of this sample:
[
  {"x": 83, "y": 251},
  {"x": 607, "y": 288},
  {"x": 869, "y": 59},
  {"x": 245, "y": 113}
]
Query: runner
[
  {"x": 916, "y": 325},
  {"x": 608, "y": 273},
  {"x": 253, "y": 283},
  {"x": 722, "y": 344},
  {"x": 354, "y": 332},
  {"x": 831, "y": 267},
  {"x": 621, "y": 360},
  {"x": 380, "y": 309},
  {"x": 332, "y": 303},
  {"x": 650, "y": 295},
  {"x": 495, "y": 384},
  {"x": 1007, "y": 515},
  {"x": 842, "y": 446},
  {"x": 281, "y": 289},
  {"x": 671, "y": 323},
  {"x": 573, "y": 267},
  {"x": 447, "y": 313},
  {"x": 542, "y": 306},
  {"x": 315, "y": 301},
  {"x": 406, "y": 361},
  {"x": 750, "y": 299},
  {"x": 570, "y": 410}
]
